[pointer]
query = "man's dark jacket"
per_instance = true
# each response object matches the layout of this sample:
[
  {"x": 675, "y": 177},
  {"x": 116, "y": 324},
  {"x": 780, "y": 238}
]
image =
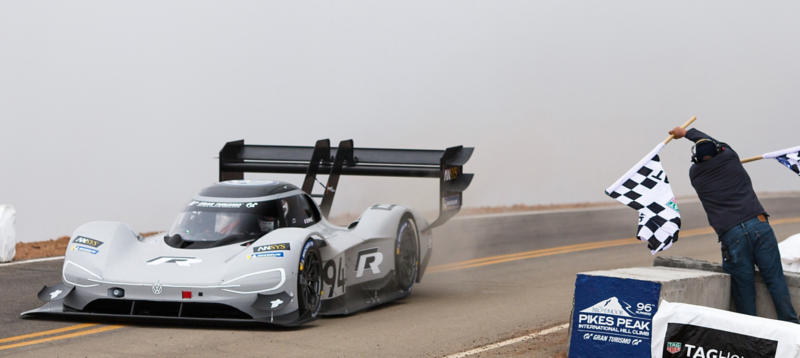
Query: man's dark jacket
[{"x": 724, "y": 188}]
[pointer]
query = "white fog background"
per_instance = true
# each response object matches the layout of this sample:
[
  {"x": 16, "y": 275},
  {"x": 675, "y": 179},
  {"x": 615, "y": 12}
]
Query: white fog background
[{"x": 113, "y": 110}]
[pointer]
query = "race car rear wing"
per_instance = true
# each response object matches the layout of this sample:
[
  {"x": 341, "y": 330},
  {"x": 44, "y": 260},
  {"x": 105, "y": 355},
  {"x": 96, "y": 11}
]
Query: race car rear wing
[{"x": 237, "y": 158}]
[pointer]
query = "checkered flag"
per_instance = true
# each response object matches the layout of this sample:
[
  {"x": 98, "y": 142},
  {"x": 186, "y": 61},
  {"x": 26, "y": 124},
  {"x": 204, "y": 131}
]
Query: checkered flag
[
  {"x": 646, "y": 188},
  {"x": 788, "y": 157}
]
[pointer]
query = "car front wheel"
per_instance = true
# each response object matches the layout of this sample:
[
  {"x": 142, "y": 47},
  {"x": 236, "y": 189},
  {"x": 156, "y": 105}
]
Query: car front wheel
[{"x": 309, "y": 281}]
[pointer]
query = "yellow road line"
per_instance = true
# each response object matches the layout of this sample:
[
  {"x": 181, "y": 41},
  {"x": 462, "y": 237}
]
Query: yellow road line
[
  {"x": 531, "y": 254},
  {"x": 56, "y": 338},
  {"x": 534, "y": 252},
  {"x": 785, "y": 221},
  {"x": 47, "y": 333},
  {"x": 571, "y": 248}
]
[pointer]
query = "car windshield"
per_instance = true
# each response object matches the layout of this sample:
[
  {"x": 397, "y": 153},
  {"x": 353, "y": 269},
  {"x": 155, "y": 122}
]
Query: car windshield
[{"x": 209, "y": 224}]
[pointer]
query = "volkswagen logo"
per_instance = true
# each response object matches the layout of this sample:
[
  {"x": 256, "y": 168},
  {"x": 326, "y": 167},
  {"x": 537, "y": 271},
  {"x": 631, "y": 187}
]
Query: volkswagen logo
[{"x": 157, "y": 288}]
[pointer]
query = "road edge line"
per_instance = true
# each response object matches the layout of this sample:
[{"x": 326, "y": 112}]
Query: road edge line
[
  {"x": 31, "y": 261},
  {"x": 510, "y": 341}
]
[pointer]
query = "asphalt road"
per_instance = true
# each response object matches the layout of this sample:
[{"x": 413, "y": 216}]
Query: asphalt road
[{"x": 491, "y": 278}]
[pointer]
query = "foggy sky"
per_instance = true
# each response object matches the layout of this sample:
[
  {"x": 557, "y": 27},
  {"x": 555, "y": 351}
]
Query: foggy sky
[{"x": 116, "y": 110}]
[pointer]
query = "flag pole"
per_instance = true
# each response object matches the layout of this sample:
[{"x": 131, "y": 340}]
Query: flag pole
[
  {"x": 672, "y": 136},
  {"x": 752, "y": 159}
]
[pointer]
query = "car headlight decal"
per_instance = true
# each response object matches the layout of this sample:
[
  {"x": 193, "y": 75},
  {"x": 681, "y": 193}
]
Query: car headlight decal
[
  {"x": 76, "y": 275},
  {"x": 256, "y": 279}
]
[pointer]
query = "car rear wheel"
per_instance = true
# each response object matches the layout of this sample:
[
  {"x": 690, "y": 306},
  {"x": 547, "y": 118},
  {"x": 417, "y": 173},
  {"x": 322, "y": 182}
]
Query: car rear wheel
[
  {"x": 309, "y": 281},
  {"x": 406, "y": 258}
]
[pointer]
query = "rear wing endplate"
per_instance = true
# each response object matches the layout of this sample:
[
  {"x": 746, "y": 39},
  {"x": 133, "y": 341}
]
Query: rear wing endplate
[{"x": 237, "y": 158}]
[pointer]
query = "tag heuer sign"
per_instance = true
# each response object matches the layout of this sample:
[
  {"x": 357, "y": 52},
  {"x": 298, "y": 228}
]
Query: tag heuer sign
[
  {"x": 698, "y": 341},
  {"x": 673, "y": 347}
]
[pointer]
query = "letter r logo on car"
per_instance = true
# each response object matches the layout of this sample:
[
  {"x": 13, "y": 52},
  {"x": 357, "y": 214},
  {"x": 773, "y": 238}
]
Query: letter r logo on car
[
  {"x": 180, "y": 261},
  {"x": 369, "y": 257}
]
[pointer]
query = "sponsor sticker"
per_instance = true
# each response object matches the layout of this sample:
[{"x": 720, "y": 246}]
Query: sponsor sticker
[
  {"x": 705, "y": 342},
  {"x": 265, "y": 254},
  {"x": 450, "y": 174},
  {"x": 308, "y": 245},
  {"x": 673, "y": 205},
  {"x": 211, "y": 204},
  {"x": 55, "y": 294},
  {"x": 274, "y": 304},
  {"x": 451, "y": 202},
  {"x": 87, "y": 241},
  {"x": 673, "y": 347},
  {"x": 273, "y": 247},
  {"x": 84, "y": 249},
  {"x": 613, "y": 316},
  {"x": 398, "y": 242}
]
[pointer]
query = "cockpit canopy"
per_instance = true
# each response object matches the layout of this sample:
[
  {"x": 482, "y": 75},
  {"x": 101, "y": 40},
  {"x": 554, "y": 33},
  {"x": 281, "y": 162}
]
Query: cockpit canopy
[{"x": 217, "y": 222}]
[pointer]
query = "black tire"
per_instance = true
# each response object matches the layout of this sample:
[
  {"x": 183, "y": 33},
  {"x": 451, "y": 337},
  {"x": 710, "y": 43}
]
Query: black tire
[
  {"x": 309, "y": 281},
  {"x": 406, "y": 254}
]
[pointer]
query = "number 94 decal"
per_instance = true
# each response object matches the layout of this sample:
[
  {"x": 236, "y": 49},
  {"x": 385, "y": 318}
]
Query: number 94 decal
[{"x": 333, "y": 276}]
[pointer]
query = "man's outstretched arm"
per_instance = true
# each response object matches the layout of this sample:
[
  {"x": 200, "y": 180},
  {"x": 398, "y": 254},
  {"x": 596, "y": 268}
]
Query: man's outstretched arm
[{"x": 693, "y": 134}]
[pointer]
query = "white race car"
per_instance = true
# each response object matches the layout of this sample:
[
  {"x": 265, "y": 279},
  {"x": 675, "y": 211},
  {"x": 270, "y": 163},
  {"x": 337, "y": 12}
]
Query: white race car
[{"x": 263, "y": 250}]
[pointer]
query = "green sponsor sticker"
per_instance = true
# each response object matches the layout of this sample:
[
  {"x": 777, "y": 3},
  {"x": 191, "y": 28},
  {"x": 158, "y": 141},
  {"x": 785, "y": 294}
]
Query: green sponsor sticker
[{"x": 672, "y": 204}]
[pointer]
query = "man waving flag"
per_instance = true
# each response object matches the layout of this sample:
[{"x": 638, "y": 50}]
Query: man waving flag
[{"x": 646, "y": 189}]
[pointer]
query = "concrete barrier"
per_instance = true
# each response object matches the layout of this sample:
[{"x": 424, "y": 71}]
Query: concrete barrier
[
  {"x": 764, "y": 305},
  {"x": 681, "y": 285}
]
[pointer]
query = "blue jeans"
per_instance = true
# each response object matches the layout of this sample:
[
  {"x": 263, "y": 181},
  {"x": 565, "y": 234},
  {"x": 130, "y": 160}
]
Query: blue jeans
[{"x": 753, "y": 242}]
